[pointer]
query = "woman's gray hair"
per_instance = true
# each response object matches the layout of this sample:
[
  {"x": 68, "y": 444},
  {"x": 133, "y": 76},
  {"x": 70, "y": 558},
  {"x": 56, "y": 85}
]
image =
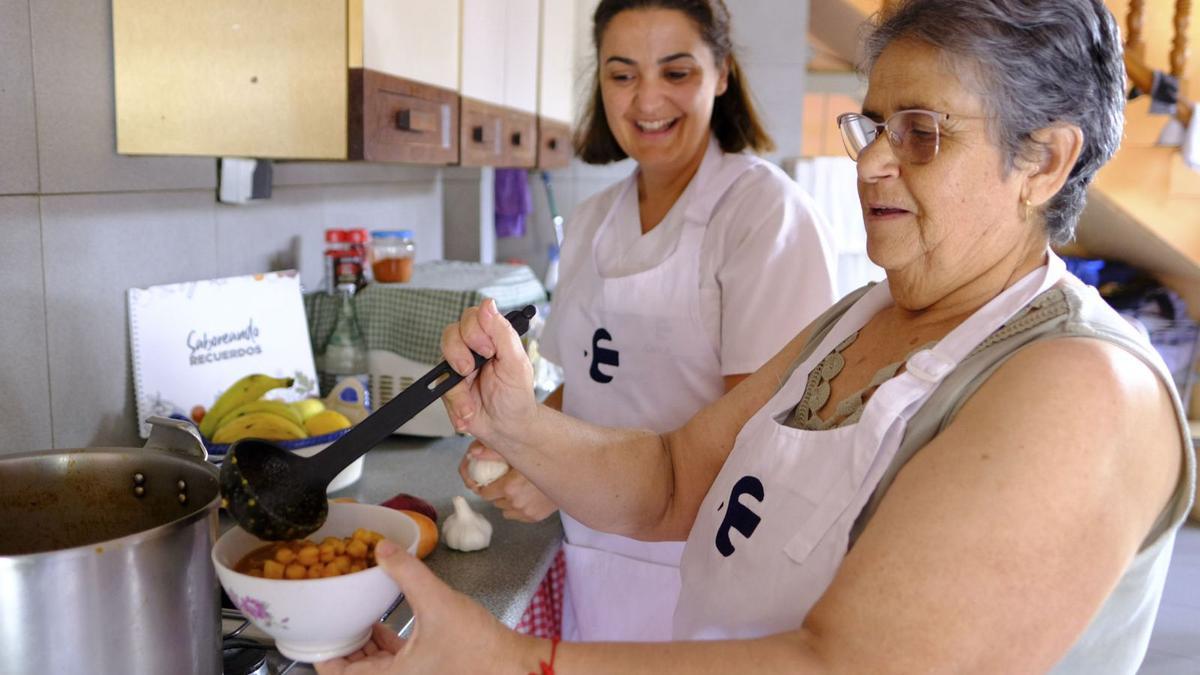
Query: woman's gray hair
[{"x": 1037, "y": 63}]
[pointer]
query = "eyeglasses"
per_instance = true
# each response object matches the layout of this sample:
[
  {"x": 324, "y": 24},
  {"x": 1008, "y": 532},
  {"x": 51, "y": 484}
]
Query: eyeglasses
[{"x": 915, "y": 135}]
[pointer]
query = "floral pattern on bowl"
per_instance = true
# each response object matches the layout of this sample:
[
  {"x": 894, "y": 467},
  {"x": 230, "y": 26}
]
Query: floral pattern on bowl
[{"x": 257, "y": 610}]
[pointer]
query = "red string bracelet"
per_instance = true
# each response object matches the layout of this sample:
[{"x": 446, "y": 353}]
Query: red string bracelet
[{"x": 548, "y": 668}]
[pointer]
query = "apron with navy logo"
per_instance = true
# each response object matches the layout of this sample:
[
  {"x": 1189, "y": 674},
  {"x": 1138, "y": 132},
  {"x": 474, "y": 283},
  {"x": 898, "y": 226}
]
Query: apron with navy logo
[
  {"x": 636, "y": 354},
  {"x": 772, "y": 531}
]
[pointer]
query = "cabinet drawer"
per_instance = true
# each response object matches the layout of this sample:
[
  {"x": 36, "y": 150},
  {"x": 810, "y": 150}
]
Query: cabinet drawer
[
  {"x": 481, "y": 133},
  {"x": 397, "y": 120},
  {"x": 520, "y": 139},
  {"x": 554, "y": 144}
]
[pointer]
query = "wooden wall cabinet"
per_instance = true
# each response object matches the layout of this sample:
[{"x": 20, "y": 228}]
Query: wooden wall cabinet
[
  {"x": 556, "y": 83},
  {"x": 554, "y": 144},
  {"x": 499, "y": 83},
  {"x": 324, "y": 79}
]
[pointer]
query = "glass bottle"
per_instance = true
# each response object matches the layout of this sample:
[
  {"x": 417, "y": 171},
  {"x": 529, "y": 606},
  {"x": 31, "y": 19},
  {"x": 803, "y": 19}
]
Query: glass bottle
[
  {"x": 335, "y": 243},
  {"x": 345, "y": 354}
]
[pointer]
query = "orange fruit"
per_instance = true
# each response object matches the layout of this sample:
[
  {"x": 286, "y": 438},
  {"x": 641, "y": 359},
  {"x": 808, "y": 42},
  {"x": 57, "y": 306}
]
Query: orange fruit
[{"x": 429, "y": 532}]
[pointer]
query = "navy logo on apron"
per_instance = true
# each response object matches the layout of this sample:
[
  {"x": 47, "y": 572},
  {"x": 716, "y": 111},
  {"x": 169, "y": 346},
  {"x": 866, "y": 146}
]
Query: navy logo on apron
[
  {"x": 739, "y": 517},
  {"x": 602, "y": 356}
]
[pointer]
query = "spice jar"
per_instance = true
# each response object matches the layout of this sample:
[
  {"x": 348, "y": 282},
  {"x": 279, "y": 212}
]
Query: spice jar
[
  {"x": 347, "y": 268},
  {"x": 356, "y": 241},
  {"x": 392, "y": 253}
]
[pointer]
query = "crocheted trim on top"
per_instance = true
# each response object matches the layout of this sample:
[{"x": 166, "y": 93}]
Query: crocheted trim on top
[{"x": 1045, "y": 307}]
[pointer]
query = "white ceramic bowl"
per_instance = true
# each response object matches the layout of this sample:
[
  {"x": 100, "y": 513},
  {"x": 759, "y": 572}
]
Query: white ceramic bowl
[{"x": 317, "y": 619}]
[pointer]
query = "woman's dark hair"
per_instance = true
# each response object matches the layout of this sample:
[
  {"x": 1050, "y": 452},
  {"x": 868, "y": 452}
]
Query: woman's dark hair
[
  {"x": 734, "y": 120},
  {"x": 1037, "y": 63}
]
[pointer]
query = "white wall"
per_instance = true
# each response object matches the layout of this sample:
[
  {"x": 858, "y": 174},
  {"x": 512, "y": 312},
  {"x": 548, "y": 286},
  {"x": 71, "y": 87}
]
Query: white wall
[{"x": 771, "y": 39}]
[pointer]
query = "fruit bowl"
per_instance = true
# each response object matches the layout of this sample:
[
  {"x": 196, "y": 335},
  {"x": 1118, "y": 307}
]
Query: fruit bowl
[
  {"x": 317, "y": 619},
  {"x": 347, "y": 402}
]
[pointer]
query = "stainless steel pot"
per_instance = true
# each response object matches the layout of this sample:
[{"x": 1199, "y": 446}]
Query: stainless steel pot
[{"x": 104, "y": 559}]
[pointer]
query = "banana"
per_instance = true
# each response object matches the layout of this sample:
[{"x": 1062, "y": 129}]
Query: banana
[
  {"x": 264, "y": 425},
  {"x": 262, "y": 405},
  {"x": 308, "y": 407},
  {"x": 249, "y": 388}
]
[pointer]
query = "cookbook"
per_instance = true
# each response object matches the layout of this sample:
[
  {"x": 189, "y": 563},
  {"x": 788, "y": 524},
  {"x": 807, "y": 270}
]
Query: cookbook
[{"x": 190, "y": 341}]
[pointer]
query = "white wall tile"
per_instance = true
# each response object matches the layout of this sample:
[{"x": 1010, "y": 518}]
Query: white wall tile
[
  {"x": 355, "y": 173},
  {"x": 24, "y": 387},
  {"x": 283, "y": 232},
  {"x": 18, "y": 136},
  {"x": 76, "y": 119},
  {"x": 415, "y": 206},
  {"x": 97, "y": 247},
  {"x": 770, "y": 38},
  {"x": 463, "y": 214},
  {"x": 287, "y": 231},
  {"x": 769, "y": 32}
]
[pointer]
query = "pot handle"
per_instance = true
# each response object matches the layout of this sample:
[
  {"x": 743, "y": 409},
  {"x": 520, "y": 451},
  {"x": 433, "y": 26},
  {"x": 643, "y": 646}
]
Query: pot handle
[{"x": 176, "y": 436}]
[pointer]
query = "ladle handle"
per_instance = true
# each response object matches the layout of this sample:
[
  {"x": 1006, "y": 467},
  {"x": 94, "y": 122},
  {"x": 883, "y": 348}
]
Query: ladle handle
[{"x": 391, "y": 415}]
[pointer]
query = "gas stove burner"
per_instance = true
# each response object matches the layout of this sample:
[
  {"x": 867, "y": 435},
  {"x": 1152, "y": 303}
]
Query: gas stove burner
[{"x": 244, "y": 657}]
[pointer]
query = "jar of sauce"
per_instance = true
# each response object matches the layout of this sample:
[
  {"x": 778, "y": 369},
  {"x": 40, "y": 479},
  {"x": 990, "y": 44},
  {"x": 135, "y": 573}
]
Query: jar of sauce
[{"x": 392, "y": 253}]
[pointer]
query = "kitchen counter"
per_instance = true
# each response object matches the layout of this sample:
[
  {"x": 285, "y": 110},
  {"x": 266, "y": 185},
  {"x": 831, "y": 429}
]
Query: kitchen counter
[{"x": 502, "y": 577}]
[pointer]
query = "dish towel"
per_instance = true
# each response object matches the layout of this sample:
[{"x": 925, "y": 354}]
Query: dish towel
[
  {"x": 513, "y": 202},
  {"x": 1191, "y": 142},
  {"x": 1187, "y": 140}
]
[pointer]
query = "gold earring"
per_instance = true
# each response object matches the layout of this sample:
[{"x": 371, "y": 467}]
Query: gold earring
[{"x": 1028, "y": 210}]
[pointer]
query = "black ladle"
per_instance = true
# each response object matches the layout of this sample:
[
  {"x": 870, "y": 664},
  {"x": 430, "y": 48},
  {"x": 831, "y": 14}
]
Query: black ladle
[{"x": 276, "y": 495}]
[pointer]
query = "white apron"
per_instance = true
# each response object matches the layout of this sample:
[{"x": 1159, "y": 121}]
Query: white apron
[
  {"x": 775, "y": 526},
  {"x": 636, "y": 354}
]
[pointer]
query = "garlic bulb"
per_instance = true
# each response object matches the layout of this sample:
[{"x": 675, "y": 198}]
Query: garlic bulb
[
  {"x": 484, "y": 471},
  {"x": 465, "y": 530}
]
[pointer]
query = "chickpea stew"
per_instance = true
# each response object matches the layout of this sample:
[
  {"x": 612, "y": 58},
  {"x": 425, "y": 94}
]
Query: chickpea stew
[{"x": 306, "y": 559}]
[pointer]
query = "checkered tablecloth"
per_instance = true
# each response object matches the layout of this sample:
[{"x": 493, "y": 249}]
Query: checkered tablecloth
[{"x": 408, "y": 318}]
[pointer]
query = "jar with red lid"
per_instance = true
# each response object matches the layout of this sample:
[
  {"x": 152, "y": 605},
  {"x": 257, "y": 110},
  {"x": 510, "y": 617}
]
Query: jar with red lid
[{"x": 336, "y": 239}]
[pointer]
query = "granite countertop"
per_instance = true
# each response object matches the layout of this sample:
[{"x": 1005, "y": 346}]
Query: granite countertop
[{"x": 502, "y": 577}]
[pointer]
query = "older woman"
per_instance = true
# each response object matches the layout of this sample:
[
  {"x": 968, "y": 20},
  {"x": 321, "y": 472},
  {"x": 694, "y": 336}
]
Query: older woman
[{"x": 974, "y": 467}]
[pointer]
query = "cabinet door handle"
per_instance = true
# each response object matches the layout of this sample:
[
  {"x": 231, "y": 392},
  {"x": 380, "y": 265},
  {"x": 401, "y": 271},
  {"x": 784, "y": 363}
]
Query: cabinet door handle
[
  {"x": 416, "y": 120},
  {"x": 477, "y": 134},
  {"x": 516, "y": 139}
]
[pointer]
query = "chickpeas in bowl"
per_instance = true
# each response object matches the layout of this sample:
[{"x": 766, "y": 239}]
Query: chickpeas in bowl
[
  {"x": 316, "y": 618},
  {"x": 306, "y": 559}
]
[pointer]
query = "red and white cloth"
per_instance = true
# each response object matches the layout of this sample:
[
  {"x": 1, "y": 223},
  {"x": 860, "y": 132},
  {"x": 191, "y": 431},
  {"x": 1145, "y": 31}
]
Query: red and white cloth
[{"x": 543, "y": 616}]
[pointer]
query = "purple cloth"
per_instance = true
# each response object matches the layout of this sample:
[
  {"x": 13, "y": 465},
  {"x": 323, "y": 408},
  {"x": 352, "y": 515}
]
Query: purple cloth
[{"x": 513, "y": 202}]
